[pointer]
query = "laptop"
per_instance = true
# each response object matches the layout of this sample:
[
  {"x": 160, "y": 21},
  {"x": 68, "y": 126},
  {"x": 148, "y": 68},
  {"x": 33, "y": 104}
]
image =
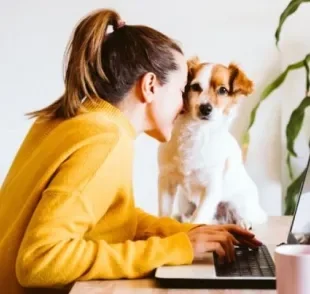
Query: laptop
[{"x": 253, "y": 269}]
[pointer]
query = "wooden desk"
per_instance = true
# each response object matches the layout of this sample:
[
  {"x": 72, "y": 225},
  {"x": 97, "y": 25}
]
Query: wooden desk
[{"x": 271, "y": 233}]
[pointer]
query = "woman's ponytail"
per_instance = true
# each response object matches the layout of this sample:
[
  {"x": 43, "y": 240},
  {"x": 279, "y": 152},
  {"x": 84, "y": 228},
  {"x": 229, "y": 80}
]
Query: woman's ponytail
[{"x": 83, "y": 57}]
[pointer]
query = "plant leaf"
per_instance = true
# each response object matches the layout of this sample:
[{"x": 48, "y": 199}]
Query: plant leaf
[
  {"x": 295, "y": 123},
  {"x": 289, "y": 10},
  {"x": 289, "y": 166},
  {"x": 267, "y": 91},
  {"x": 291, "y": 193},
  {"x": 307, "y": 76}
]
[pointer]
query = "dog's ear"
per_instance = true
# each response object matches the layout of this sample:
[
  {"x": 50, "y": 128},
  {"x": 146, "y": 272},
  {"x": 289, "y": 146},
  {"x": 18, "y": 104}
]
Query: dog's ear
[
  {"x": 192, "y": 64},
  {"x": 239, "y": 83}
]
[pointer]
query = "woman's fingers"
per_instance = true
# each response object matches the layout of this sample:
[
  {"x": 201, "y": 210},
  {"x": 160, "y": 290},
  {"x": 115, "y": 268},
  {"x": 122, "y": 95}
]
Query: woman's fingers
[
  {"x": 231, "y": 228},
  {"x": 205, "y": 240},
  {"x": 237, "y": 230},
  {"x": 217, "y": 230},
  {"x": 221, "y": 239},
  {"x": 242, "y": 235},
  {"x": 234, "y": 239},
  {"x": 252, "y": 243},
  {"x": 226, "y": 241},
  {"x": 231, "y": 250},
  {"x": 216, "y": 247}
]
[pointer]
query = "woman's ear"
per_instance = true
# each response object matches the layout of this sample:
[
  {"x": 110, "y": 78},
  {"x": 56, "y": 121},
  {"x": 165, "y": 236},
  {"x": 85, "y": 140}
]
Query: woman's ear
[
  {"x": 239, "y": 83},
  {"x": 148, "y": 85}
]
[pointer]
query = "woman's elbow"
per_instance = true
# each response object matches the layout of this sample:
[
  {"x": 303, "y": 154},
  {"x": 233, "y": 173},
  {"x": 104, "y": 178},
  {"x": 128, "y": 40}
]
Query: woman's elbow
[
  {"x": 29, "y": 274},
  {"x": 26, "y": 273},
  {"x": 37, "y": 271}
]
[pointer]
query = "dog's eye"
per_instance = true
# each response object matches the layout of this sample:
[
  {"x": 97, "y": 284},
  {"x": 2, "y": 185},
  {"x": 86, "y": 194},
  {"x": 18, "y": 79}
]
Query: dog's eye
[
  {"x": 222, "y": 91},
  {"x": 196, "y": 87}
]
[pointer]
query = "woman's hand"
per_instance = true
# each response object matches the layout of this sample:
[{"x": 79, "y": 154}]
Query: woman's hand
[{"x": 221, "y": 239}]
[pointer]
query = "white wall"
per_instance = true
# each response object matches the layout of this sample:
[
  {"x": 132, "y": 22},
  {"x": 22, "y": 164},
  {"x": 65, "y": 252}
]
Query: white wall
[{"x": 34, "y": 34}]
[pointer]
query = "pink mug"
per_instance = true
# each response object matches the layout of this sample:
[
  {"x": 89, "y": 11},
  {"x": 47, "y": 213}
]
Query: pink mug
[{"x": 293, "y": 269}]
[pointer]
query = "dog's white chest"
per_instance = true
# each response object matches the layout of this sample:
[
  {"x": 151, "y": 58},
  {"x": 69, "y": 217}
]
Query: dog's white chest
[{"x": 196, "y": 156}]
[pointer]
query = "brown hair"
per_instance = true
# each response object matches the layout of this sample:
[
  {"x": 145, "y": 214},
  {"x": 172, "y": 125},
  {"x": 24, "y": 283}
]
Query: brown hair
[{"x": 108, "y": 65}]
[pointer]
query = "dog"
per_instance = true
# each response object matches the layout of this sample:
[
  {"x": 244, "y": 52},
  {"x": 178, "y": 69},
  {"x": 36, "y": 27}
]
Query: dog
[{"x": 202, "y": 165}]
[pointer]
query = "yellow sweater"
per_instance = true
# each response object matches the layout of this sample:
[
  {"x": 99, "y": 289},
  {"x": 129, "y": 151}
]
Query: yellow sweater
[{"x": 67, "y": 210}]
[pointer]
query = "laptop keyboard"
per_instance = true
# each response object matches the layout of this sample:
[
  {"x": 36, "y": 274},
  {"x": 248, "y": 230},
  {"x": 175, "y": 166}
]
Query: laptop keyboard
[{"x": 253, "y": 263}]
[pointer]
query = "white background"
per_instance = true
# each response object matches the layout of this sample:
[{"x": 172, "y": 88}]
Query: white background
[{"x": 34, "y": 34}]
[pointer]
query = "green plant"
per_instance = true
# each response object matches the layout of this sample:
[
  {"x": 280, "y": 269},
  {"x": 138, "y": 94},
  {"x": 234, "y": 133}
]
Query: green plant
[{"x": 297, "y": 117}]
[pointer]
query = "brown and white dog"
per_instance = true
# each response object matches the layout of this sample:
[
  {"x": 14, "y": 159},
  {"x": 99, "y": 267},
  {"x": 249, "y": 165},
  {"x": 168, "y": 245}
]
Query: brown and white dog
[{"x": 202, "y": 163}]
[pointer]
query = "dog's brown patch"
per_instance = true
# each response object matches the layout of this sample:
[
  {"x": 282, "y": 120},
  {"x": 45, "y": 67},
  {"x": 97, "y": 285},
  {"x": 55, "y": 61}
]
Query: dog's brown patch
[
  {"x": 240, "y": 83},
  {"x": 194, "y": 65}
]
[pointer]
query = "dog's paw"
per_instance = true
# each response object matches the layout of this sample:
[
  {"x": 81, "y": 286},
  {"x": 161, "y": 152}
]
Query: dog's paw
[{"x": 226, "y": 213}]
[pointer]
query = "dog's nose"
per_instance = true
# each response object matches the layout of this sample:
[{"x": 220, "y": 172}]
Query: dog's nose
[{"x": 205, "y": 109}]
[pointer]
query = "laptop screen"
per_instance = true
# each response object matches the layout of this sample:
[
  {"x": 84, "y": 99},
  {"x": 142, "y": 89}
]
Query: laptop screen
[{"x": 301, "y": 224}]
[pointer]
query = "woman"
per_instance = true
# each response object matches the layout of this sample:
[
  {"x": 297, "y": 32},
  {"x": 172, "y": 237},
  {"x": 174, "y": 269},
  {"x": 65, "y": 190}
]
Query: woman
[{"x": 67, "y": 210}]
